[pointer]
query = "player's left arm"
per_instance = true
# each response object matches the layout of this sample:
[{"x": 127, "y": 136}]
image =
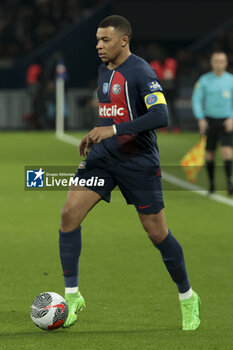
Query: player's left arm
[
  {"x": 151, "y": 93},
  {"x": 156, "y": 117}
]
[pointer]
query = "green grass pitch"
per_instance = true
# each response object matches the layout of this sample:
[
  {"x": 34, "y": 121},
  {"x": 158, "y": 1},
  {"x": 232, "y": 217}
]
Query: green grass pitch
[{"x": 131, "y": 302}]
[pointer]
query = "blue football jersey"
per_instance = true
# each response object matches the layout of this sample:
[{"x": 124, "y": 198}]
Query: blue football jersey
[{"x": 125, "y": 94}]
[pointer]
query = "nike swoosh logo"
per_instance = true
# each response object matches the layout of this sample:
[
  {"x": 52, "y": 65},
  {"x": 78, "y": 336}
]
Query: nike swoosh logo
[
  {"x": 62, "y": 306},
  {"x": 178, "y": 276},
  {"x": 145, "y": 206}
]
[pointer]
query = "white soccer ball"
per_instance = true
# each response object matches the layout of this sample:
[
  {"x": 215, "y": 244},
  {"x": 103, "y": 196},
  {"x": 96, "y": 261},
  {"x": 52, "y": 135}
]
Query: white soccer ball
[{"x": 49, "y": 310}]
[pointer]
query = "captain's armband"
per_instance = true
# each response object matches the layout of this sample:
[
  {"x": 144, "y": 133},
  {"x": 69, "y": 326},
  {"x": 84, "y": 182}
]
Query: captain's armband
[{"x": 154, "y": 98}]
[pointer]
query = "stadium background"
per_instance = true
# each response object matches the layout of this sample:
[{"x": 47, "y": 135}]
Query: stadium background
[
  {"x": 131, "y": 304},
  {"x": 44, "y": 32}
]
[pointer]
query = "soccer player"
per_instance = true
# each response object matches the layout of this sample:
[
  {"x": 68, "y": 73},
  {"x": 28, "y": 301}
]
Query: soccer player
[
  {"x": 212, "y": 103},
  {"x": 123, "y": 151}
]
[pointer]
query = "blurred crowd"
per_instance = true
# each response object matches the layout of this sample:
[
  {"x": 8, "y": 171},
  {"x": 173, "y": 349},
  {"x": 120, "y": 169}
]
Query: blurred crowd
[
  {"x": 26, "y": 24},
  {"x": 179, "y": 69},
  {"x": 40, "y": 79},
  {"x": 190, "y": 64},
  {"x": 222, "y": 41}
]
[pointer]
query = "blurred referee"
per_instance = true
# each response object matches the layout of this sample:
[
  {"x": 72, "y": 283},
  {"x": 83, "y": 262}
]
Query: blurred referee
[{"x": 212, "y": 103}]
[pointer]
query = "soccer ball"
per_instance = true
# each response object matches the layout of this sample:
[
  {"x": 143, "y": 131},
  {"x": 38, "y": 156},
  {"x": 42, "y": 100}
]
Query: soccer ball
[{"x": 49, "y": 311}]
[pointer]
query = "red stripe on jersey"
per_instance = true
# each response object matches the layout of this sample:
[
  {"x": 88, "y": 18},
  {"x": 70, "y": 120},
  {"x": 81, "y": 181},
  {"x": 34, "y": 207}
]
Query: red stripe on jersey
[
  {"x": 117, "y": 97},
  {"x": 118, "y": 110}
]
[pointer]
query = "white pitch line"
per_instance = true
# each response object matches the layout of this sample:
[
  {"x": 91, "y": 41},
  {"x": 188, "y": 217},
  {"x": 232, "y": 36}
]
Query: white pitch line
[
  {"x": 196, "y": 189},
  {"x": 167, "y": 177},
  {"x": 68, "y": 139}
]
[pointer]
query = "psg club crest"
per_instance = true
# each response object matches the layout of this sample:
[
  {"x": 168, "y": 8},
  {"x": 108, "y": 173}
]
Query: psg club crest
[
  {"x": 105, "y": 88},
  {"x": 116, "y": 89},
  {"x": 151, "y": 99}
]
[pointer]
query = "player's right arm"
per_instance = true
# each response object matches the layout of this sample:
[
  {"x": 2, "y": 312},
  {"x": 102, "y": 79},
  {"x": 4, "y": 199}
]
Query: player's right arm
[
  {"x": 85, "y": 146},
  {"x": 197, "y": 105}
]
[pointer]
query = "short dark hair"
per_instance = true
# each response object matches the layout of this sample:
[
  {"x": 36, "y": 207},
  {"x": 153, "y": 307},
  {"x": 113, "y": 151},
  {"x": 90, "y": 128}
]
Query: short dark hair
[
  {"x": 118, "y": 22},
  {"x": 219, "y": 51}
]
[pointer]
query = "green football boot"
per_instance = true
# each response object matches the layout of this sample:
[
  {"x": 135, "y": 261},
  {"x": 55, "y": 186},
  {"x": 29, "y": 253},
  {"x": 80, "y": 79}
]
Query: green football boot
[
  {"x": 75, "y": 302},
  {"x": 190, "y": 309}
]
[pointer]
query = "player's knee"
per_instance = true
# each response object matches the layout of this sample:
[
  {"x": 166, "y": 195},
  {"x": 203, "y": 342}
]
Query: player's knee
[
  {"x": 156, "y": 233},
  {"x": 69, "y": 218},
  {"x": 157, "y": 236},
  {"x": 65, "y": 213},
  {"x": 65, "y": 216}
]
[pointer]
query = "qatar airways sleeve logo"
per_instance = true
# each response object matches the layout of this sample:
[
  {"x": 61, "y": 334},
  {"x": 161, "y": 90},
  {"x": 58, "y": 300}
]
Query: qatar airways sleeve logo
[{"x": 111, "y": 111}]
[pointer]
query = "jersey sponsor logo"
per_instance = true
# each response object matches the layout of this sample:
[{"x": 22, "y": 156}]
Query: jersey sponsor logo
[
  {"x": 155, "y": 86},
  {"x": 112, "y": 111},
  {"x": 105, "y": 88},
  {"x": 154, "y": 99},
  {"x": 116, "y": 89}
]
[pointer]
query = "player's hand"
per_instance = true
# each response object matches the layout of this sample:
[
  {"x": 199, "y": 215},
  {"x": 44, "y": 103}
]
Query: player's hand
[
  {"x": 84, "y": 146},
  {"x": 228, "y": 124},
  {"x": 100, "y": 133},
  {"x": 203, "y": 125}
]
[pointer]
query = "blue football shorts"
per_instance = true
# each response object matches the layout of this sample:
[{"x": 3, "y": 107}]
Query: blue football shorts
[{"x": 142, "y": 188}]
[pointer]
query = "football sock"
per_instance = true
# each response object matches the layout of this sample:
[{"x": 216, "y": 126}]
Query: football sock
[
  {"x": 210, "y": 171},
  {"x": 187, "y": 295},
  {"x": 70, "y": 244},
  {"x": 228, "y": 170},
  {"x": 69, "y": 290},
  {"x": 173, "y": 258}
]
